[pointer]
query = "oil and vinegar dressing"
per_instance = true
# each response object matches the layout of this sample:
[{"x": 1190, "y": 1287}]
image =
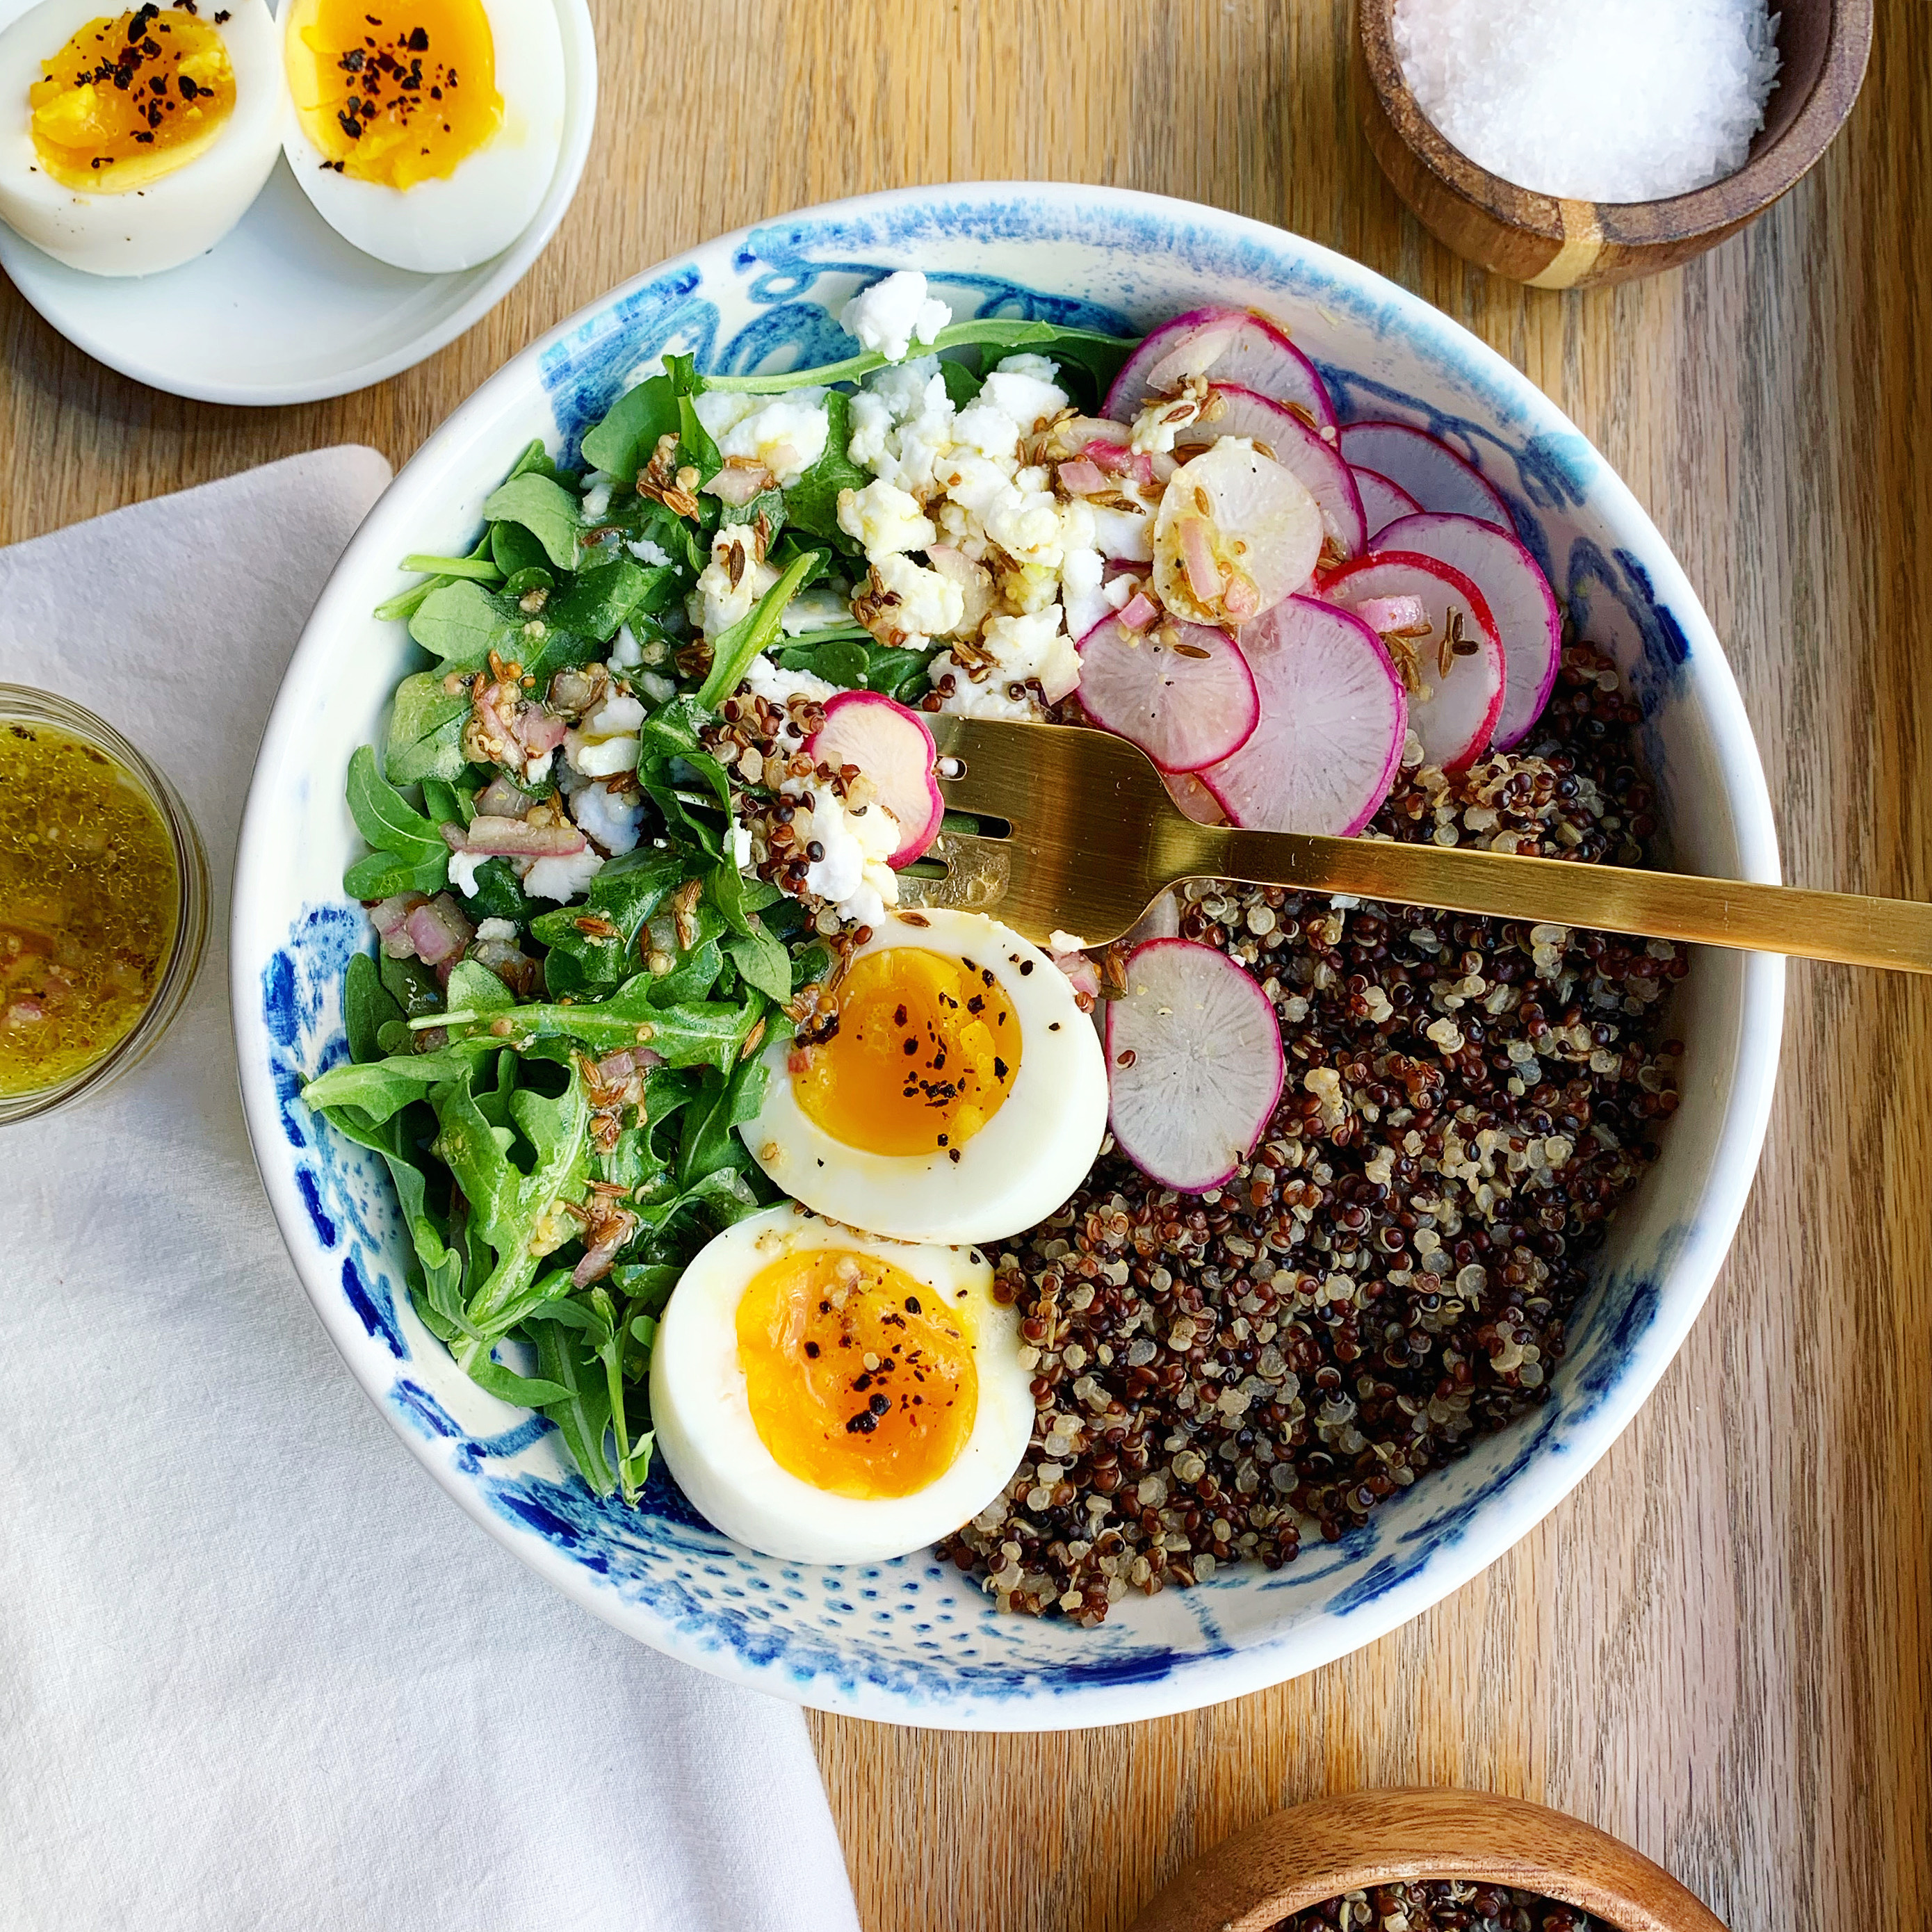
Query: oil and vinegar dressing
[{"x": 89, "y": 898}]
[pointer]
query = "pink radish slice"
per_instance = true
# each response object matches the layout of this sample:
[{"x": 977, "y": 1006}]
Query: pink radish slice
[
  {"x": 892, "y": 746},
  {"x": 1333, "y": 719},
  {"x": 1237, "y": 533},
  {"x": 1161, "y": 920},
  {"x": 1182, "y": 692},
  {"x": 1422, "y": 468},
  {"x": 1304, "y": 453},
  {"x": 1194, "y": 1064},
  {"x": 1455, "y": 715},
  {"x": 1193, "y": 798},
  {"x": 1382, "y": 502},
  {"x": 1519, "y": 598},
  {"x": 1229, "y": 345}
]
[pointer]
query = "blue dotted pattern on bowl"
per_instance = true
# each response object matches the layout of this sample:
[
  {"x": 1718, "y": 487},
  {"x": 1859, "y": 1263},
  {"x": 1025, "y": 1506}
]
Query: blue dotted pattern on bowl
[{"x": 912, "y": 1629}]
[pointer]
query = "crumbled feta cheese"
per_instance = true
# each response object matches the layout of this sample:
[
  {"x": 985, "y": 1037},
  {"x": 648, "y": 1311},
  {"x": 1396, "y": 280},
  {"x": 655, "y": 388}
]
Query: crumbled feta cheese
[
  {"x": 1025, "y": 388},
  {"x": 1118, "y": 590},
  {"x": 626, "y": 654},
  {"x": 1082, "y": 593},
  {"x": 1021, "y": 648},
  {"x": 462, "y": 872},
  {"x": 611, "y": 818},
  {"x": 731, "y": 582},
  {"x": 988, "y": 431},
  {"x": 1127, "y": 535},
  {"x": 779, "y": 686},
  {"x": 1058, "y": 941},
  {"x": 785, "y": 432},
  {"x": 890, "y": 316},
  {"x": 1162, "y": 419},
  {"x": 902, "y": 423},
  {"x": 596, "y": 496},
  {"x": 645, "y": 551},
  {"x": 741, "y": 845},
  {"x": 616, "y": 714},
  {"x": 497, "y": 928},
  {"x": 658, "y": 689},
  {"x": 820, "y": 608},
  {"x": 885, "y": 519},
  {"x": 600, "y": 757},
  {"x": 929, "y": 605},
  {"x": 563, "y": 879}
]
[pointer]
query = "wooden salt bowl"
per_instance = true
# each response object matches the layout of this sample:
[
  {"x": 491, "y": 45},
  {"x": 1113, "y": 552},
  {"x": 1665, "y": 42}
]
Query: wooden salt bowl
[
  {"x": 1296, "y": 1858},
  {"x": 1555, "y": 244}
]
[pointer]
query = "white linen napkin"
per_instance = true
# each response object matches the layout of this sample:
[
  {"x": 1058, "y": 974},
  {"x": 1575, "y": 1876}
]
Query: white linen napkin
[{"x": 255, "y": 1670}]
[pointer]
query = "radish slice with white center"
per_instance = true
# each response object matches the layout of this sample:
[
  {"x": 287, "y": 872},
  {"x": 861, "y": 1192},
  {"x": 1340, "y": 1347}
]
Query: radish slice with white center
[
  {"x": 1383, "y": 502},
  {"x": 1194, "y": 1064},
  {"x": 1452, "y": 712},
  {"x": 891, "y": 746},
  {"x": 1237, "y": 533},
  {"x": 1182, "y": 692},
  {"x": 1428, "y": 470},
  {"x": 1334, "y": 715},
  {"x": 1519, "y": 598},
  {"x": 1226, "y": 345},
  {"x": 1304, "y": 453}
]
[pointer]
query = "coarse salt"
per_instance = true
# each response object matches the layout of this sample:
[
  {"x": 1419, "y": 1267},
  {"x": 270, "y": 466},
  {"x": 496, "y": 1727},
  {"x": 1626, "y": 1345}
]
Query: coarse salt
[{"x": 1612, "y": 100}]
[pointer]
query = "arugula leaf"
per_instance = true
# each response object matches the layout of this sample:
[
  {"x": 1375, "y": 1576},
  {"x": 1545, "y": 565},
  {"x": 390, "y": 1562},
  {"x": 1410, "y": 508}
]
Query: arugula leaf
[
  {"x": 474, "y": 988},
  {"x": 516, "y": 550},
  {"x": 381, "y": 875},
  {"x": 382, "y": 1088},
  {"x": 710, "y": 1139},
  {"x": 695, "y": 1034},
  {"x": 762, "y": 961},
  {"x": 746, "y": 638},
  {"x": 411, "y": 985},
  {"x": 461, "y": 623},
  {"x": 535, "y": 461},
  {"x": 425, "y": 735},
  {"x": 366, "y": 1006},
  {"x": 962, "y": 386},
  {"x": 812, "y": 503},
  {"x": 498, "y": 894},
  {"x": 694, "y": 445},
  {"x": 382, "y": 815},
  {"x": 549, "y": 512},
  {"x": 855, "y": 663},
  {"x": 582, "y": 1413},
  {"x": 602, "y": 598},
  {"x": 621, "y": 445},
  {"x": 483, "y": 569},
  {"x": 769, "y": 504}
]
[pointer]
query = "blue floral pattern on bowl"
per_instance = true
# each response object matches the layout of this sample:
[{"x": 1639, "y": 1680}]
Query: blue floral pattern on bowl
[{"x": 912, "y": 1640}]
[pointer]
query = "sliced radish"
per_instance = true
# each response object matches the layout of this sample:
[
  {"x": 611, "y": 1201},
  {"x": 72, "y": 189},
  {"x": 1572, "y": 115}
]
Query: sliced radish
[
  {"x": 1229, "y": 345},
  {"x": 1454, "y": 712},
  {"x": 1428, "y": 471},
  {"x": 1304, "y": 453},
  {"x": 1237, "y": 533},
  {"x": 1195, "y": 801},
  {"x": 1519, "y": 598},
  {"x": 1333, "y": 718},
  {"x": 892, "y": 746},
  {"x": 1382, "y": 502},
  {"x": 1182, "y": 692},
  {"x": 1161, "y": 920},
  {"x": 1194, "y": 1064}
]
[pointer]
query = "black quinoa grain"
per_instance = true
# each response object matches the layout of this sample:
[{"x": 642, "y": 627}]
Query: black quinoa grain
[
  {"x": 1440, "y": 1905},
  {"x": 1219, "y": 1377}
]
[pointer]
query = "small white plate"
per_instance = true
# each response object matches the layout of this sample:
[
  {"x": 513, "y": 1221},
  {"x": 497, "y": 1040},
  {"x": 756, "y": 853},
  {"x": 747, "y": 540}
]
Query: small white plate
[{"x": 283, "y": 310}]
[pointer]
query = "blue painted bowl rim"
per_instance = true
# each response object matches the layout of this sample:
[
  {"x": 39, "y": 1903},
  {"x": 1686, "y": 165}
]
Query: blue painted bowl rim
[{"x": 1499, "y": 1520}]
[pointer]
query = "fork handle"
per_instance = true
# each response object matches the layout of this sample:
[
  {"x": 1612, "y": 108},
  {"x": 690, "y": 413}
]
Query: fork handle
[{"x": 1841, "y": 926}]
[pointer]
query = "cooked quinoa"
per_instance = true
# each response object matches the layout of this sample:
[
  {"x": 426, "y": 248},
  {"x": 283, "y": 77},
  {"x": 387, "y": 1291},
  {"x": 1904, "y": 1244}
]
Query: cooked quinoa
[
  {"x": 1219, "y": 1377},
  {"x": 1440, "y": 1905}
]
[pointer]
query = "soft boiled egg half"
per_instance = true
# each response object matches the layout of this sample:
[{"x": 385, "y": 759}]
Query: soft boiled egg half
[
  {"x": 828, "y": 1396},
  {"x": 426, "y": 132},
  {"x": 135, "y": 141},
  {"x": 962, "y": 1097}
]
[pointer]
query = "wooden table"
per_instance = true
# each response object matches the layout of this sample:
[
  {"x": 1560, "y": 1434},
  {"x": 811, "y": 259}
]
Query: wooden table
[{"x": 1719, "y": 1647}]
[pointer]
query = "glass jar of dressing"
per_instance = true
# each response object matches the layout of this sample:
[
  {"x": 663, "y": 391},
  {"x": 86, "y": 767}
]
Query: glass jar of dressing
[{"x": 103, "y": 903}]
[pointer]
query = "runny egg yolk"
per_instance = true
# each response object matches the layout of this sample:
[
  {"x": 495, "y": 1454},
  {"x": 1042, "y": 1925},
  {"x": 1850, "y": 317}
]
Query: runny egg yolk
[
  {"x": 861, "y": 1382},
  {"x": 924, "y": 1056},
  {"x": 130, "y": 98},
  {"x": 395, "y": 94}
]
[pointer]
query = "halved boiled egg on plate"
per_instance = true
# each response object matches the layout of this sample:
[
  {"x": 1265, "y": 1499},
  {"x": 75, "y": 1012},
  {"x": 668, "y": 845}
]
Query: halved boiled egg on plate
[
  {"x": 135, "y": 141},
  {"x": 426, "y": 132},
  {"x": 830, "y": 1396},
  {"x": 962, "y": 1097}
]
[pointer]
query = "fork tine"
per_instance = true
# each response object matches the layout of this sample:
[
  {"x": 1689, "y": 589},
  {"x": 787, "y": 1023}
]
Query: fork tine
[
  {"x": 996, "y": 779},
  {"x": 979, "y": 873}
]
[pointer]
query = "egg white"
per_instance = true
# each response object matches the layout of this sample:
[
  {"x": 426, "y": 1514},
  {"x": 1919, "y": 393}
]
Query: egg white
[
  {"x": 439, "y": 226},
  {"x": 170, "y": 219},
  {"x": 703, "y": 1416},
  {"x": 1017, "y": 1169}
]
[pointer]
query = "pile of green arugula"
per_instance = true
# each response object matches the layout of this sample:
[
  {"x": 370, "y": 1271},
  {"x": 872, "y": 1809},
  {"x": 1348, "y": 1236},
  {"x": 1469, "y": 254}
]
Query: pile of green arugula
[{"x": 477, "y": 1102}]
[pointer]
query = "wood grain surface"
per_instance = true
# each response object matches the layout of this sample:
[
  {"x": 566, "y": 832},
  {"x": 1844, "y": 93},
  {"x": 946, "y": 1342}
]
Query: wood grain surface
[{"x": 1720, "y": 1648}]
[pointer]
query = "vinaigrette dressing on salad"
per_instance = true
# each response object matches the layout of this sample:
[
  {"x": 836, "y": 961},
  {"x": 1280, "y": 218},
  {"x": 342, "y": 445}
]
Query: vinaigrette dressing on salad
[{"x": 88, "y": 897}]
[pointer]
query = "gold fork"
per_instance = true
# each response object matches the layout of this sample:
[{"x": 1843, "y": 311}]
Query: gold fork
[{"x": 1095, "y": 838}]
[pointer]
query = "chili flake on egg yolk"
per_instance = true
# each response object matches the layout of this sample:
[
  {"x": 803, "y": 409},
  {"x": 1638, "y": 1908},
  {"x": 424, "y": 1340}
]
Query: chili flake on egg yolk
[
  {"x": 130, "y": 99},
  {"x": 925, "y": 1054},
  {"x": 860, "y": 1381},
  {"x": 394, "y": 94}
]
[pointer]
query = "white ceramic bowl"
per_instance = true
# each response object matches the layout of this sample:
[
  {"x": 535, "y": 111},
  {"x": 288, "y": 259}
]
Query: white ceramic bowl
[
  {"x": 910, "y": 1640},
  {"x": 282, "y": 310}
]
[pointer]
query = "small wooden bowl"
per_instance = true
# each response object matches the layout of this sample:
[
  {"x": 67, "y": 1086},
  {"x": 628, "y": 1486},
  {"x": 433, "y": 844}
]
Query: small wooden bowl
[
  {"x": 1296, "y": 1858},
  {"x": 1554, "y": 243}
]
